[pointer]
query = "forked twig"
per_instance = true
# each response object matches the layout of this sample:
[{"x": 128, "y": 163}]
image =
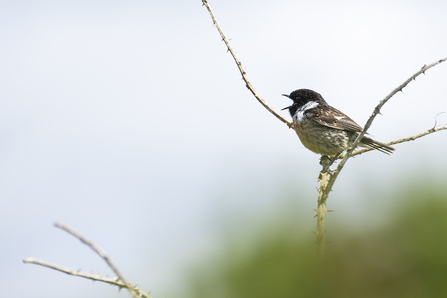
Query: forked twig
[
  {"x": 120, "y": 281},
  {"x": 99, "y": 251},
  {"x": 385, "y": 100}
]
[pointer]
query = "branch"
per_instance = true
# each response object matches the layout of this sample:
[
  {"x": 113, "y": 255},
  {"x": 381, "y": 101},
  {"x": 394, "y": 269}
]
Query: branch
[
  {"x": 403, "y": 140},
  {"x": 380, "y": 105},
  {"x": 120, "y": 281},
  {"x": 241, "y": 69},
  {"x": 100, "y": 253},
  {"x": 402, "y": 86},
  {"x": 112, "y": 281}
]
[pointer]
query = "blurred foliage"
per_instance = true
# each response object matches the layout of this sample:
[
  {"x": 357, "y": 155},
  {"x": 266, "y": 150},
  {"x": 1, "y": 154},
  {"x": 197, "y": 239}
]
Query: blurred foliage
[{"x": 405, "y": 256}]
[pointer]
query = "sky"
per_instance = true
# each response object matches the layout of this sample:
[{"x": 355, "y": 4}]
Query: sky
[{"x": 129, "y": 122}]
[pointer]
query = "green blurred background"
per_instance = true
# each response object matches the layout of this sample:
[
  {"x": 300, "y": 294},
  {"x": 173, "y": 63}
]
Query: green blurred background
[{"x": 405, "y": 255}]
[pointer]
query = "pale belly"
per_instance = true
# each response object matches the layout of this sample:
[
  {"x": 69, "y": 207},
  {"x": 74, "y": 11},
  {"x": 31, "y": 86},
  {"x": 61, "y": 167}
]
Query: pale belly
[{"x": 321, "y": 139}]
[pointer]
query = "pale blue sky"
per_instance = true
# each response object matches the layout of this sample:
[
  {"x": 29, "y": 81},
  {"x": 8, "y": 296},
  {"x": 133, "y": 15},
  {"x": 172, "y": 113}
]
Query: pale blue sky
[{"x": 128, "y": 121}]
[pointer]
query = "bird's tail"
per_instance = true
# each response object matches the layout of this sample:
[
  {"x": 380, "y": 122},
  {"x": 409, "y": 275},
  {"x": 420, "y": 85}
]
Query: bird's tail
[{"x": 377, "y": 145}]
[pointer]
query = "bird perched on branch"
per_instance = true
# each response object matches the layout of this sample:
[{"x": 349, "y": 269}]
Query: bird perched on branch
[{"x": 324, "y": 129}]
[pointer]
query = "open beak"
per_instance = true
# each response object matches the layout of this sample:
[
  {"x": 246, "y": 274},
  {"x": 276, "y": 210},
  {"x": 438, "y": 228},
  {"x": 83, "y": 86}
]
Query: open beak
[{"x": 286, "y": 95}]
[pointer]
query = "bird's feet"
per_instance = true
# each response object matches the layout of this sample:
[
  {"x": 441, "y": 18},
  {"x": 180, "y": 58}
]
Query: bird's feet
[{"x": 326, "y": 161}]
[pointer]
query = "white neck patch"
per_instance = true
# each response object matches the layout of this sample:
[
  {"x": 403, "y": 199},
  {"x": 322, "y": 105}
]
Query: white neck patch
[{"x": 298, "y": 117}]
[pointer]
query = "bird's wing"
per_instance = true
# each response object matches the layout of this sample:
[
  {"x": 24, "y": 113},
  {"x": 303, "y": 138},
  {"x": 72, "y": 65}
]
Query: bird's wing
[{"x": 331, "y": 117}]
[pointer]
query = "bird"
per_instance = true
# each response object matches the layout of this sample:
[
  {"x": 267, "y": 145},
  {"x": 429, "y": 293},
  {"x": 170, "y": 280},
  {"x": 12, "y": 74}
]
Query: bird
[{"x": 323, "y": 129}]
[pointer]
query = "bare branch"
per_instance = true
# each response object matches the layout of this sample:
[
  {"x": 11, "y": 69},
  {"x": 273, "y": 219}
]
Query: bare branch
[
  {"x": 403, "y": 85},
  {"x": 403, "y": 140},
  {"x": 381, "y": 104},
  {"x": 112, "y": 281},
  {"x": 101, "y": 253},
  {"x": 241, "y": 69}
]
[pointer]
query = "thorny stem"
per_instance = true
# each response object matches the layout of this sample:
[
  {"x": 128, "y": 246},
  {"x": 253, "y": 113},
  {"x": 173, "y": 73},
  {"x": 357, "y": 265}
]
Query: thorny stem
[
  {"x": 101, "y": 253},
  {"x": 241, "y": 68},
  {"x": 403, "y": 140},
  {"x": 95, "y": 277},
  {"x": 327, "y": 178}
]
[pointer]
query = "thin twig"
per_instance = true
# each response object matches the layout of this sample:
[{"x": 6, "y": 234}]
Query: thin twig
[
  {"x": 381, "y": 104},
  {"x": 385, "y": 100},
  {"x": 112, "y": 281},
  {"x": 101, "y": 253},
  {"x": 241, "y": 69},
  {"x": 403, "y": 140}
]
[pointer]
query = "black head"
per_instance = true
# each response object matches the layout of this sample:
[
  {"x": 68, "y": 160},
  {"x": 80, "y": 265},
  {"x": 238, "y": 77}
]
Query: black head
[{"x": 302, "y": 96}]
